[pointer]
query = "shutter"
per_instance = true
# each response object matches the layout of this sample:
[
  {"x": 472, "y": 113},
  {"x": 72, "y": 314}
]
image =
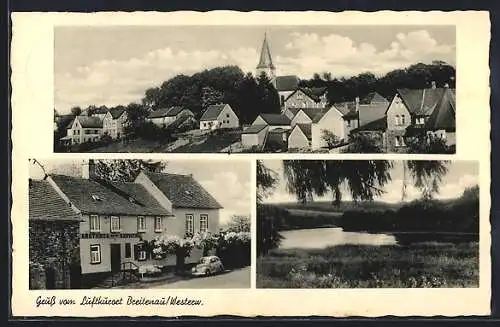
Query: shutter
[{"x": 136, "y": 252}]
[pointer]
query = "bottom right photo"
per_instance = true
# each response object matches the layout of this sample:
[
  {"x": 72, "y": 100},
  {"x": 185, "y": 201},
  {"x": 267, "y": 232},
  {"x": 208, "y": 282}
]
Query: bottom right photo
[{"x": 367, "y": 224}]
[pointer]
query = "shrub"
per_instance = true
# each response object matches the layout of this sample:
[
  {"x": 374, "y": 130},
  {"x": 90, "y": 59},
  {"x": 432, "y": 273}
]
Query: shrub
[
  {"x": 330, "y": 138},
  {"x": 149, "y": 270}
]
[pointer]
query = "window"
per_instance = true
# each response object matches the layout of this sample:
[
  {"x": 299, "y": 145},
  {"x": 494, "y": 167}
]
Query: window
[
  {"x": 402, "y": 119},
  {"x": 95, "y": 254},
  {"x": 396, "y": 120},
  {"x": 299, "y": 96},
  {"x": 94, "y": 223},
  {"x": 348, "y": 123},
  {"x": 115, "y": 224},
  {"x": 189, "y": 224},
  {"x": 203, "y": 223},
  {"x": 158, "y": 227},
  {"x": 142, "y": 255},
  {"x": 399, "y": 141},
  {"x": 204, "y": 124},
  {"x": 420, "y": 121},
  {"x": 127, "y": 250},
  {"x": 141, "y": 224},
  {"x": 227, "y": 115}
]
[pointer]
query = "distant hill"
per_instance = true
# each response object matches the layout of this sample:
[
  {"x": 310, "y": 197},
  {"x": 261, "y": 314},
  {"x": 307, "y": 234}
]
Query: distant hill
[{"x": 327, "y": 206}]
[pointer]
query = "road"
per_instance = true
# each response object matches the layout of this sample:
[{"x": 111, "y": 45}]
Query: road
[{"x": 239, "y": 278}]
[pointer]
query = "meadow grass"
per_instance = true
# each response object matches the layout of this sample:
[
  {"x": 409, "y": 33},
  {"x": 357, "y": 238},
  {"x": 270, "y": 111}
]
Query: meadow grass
[{"x": 430, "y": 264}]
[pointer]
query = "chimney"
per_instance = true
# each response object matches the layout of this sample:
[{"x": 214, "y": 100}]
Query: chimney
[
  {"x": 357, "y": 104},
  {"x": 88, "y": 169},
  {"x": 433, "y": 84}
]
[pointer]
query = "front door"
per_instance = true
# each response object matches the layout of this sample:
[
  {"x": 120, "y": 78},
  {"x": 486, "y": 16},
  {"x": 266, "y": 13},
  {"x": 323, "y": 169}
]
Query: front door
[{"x": 115, "y": 257}]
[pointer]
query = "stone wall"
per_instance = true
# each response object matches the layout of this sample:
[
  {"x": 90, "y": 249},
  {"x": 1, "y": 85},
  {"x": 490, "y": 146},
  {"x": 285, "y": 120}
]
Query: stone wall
[{"x": 54, "y": 252}]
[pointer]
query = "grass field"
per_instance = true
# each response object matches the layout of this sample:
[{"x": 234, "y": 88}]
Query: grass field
[{"x": 360, "y": 266}]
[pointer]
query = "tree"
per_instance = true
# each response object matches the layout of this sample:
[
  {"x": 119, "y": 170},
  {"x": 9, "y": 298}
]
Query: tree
[
  {"x": 238, "y": 224},
  {"x": 136, "y": 114},
  {"x": 330, "y": 138},
  {"x": 364, "y": 179},
  {"x": 360, "y": 143},
  {"x": 266, "y": 181},
  {"x": 76, "y": 111},
  {"x": 426, "y": 175},
  {"x": 267, "y": 94},
  {"x": 117, "y": 170}
]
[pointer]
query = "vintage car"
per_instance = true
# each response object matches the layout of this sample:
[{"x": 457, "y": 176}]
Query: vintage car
[{"x": 208, "y": 266}]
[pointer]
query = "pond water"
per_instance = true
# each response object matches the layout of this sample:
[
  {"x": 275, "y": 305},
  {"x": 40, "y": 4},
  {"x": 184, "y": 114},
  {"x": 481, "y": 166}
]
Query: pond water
[{"x": 322, "y": 237}]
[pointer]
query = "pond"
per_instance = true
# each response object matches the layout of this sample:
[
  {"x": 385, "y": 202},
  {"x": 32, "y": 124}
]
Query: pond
[{"x": 322, "y": 237}]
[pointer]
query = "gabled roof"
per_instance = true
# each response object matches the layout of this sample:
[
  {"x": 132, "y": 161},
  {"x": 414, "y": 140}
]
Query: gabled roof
[
  {"x": 93, "y": 197},
  {"x": 373, "y": 97},
  {"x": 421, "y": 101},
  {"x": 306, "y": 129},
  {"x": 116, "y": 112},
  {"x": 89, "y": 122},
  {"x": 311, "y": 112},
  {"x": 275, "y": 119},
  {"x": 313, "y": 94},
  {"x": 443, "y": 117},
  {"x": 213, "y": 112},
  {"x": 294, "y": 111},
  {"x": 46, "y": 204},
  {"x": 254, "y": 129},
  {"x": 159, "y": 113},
  {"x": 274, "y": 140},
  {"x": 183, "y": 191},
  {"x": 100, "y": 111},
  {"x": 376, "y": 125},
  {"x": 287, "y": 83},
  {"x": 265, "y": 60},
  {"x": 371, "y": 112},
  {"x": 320, "y": 115}
]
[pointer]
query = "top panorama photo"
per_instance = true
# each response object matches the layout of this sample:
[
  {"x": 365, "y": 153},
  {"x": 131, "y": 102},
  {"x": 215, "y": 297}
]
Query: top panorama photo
[{"x": 255, "y": 89}]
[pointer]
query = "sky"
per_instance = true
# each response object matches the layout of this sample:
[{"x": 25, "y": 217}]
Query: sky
[
  {"x": 227, "y": 181},
  {"x": 460, "y": 175},
  {"x": 96, "y": 65}
]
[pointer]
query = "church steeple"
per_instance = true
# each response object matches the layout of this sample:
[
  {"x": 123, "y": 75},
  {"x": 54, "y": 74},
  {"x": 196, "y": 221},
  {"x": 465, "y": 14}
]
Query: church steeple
[{"x": 266, "y": 62}]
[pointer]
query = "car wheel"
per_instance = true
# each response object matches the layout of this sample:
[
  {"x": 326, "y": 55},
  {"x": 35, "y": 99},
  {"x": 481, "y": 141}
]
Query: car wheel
[{"x": 207, "y": 272}]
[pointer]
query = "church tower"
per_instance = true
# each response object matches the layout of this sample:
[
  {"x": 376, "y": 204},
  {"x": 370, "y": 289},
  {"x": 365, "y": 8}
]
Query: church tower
[{"x": 266, "y": 62}]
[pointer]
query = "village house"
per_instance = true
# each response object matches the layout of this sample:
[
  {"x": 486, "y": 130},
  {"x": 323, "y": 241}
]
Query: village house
[
  {"x": 306, "y": 98},
  {"x": 408, "y": 112},
  {"x": 54, "y": 253},
  {"x": 84, "y": 129},
  {"x": 165, "y": 116},
  {"x": 286, "y": 85},
  {"x": 300, "y": 137},
  {"x": 254, "y": 135},
  {"x": 219, "y": 116},
  {"x": 329, "y": 119},
  {"x": 441, "y": 122},
  {"x": 274, "y": 121},
  {"x": 99, "y": 112},
  {"x": 117, "y": 217},
  {"x": 114, "y": 122}
]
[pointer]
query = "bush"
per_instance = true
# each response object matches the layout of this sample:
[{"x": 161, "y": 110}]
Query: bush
[
  {"x": 149, "y": 131},
  {"x": 330, "y": 138},
  {"x": 149, "y": 270}
]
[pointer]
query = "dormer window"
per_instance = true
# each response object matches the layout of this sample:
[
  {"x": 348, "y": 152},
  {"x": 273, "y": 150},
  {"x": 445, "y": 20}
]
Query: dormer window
[{"x": 95, "y": 197}]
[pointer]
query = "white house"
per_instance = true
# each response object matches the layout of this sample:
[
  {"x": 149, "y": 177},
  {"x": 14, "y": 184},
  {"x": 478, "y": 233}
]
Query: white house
[
  {"x": 330, "y": 119},
  {"x": 254, "y": 135},
  {"x": 114, "y": 122},
  {"x": 166, "y": 116},
  {"x": 85, "y": 129},
  {"x": 219, "y": 116},
  {"x": 300, "y": 137}
]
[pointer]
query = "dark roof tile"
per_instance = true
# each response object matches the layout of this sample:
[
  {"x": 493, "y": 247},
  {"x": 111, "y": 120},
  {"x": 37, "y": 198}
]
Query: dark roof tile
[
  {"x": 287, "y": 83},
  {"x": 183, "y": 191},
  {"x": 46, "y": 204},
  {"x": 275, "y": 119},
  {"x": 212, "y": 112},
  {"x": 94, "y": 197}
]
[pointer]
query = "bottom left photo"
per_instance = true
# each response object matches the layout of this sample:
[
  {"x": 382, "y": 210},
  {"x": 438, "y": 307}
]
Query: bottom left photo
[{"x": 139, "y": 224}]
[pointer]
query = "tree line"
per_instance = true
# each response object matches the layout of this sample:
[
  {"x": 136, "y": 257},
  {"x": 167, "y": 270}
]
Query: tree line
[{"x": 250, "y": 95}]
